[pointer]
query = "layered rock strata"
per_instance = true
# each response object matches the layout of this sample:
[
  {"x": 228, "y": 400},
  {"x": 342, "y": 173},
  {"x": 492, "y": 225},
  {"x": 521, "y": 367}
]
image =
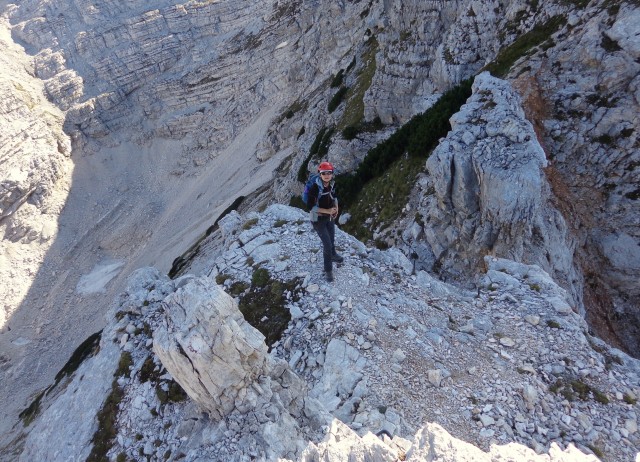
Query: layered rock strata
[{"x": 36, "y": 173}]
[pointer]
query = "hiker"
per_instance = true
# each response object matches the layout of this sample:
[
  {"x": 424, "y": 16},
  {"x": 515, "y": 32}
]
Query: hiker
[{"x": 323, "y": 205}]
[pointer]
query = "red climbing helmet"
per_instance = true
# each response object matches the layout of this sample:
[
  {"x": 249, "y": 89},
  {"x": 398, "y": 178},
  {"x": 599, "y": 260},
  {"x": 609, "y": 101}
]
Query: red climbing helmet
[{"x": 325, "y": 167}]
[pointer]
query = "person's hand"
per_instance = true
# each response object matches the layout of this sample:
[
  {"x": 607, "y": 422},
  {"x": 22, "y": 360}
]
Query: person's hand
[{"x": 334, "y": 212}]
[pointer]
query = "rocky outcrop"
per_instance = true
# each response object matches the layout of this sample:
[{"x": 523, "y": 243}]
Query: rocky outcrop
[
  {"x": 486, "y": 192},
  {"x": 218, "y": 358},
  {"x": 159, "y": 93},
  {"x": 199, "y": 336}
]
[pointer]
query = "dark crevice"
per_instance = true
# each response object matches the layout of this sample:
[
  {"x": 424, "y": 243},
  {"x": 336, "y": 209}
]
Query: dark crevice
[{"x": 183, "y": 260}]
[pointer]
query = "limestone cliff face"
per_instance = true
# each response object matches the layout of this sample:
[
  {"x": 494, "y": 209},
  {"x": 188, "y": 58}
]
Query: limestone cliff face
[
  {"x": 35, "y": 172},
  {"x": 194, "y": 71},
  {"x": 583, "y": 95}
]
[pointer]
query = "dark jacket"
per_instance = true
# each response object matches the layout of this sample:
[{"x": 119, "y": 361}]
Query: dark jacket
[{"x": 328, "y": 199}]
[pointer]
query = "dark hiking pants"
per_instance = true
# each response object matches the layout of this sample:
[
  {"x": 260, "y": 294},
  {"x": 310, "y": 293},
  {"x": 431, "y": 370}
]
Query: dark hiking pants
[{"x": 326, "y": 230}]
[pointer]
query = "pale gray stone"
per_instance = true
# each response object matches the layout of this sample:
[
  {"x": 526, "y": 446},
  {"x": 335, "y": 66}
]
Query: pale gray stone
[
  {"x": 211, "y": 350},
  {"x": 532, "y": 319},
  {"x": 508, "y": 342},
  {"x": 434, "y": 377},
  {"x": 530, "y": 395}
]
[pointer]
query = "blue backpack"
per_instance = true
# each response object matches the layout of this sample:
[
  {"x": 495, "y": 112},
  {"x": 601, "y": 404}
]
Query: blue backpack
[{"x": 314, "y": 179}]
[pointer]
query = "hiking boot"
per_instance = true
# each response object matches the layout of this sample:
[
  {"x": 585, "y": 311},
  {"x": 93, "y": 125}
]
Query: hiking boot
[
  {"x": 329, "y": 276},
  {"x": 337, "y": 258}
]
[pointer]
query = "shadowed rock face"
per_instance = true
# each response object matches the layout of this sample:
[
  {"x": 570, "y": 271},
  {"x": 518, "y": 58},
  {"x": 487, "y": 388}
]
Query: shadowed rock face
[{"x": 35, "y": 173}]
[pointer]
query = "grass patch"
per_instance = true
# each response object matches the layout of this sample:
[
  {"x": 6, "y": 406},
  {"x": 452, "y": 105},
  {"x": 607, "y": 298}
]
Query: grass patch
[
  {"x": 596, "y": 450},
  {"x": 571, "y": 389},
  {"x": 319, "y": 148},
  {"x": 553, "y": 324},
  {"x": 124, "y": 365},
  {"x": 381, "y": 200},
  {"x": 354, "y": 109},
  {"x": 174, "y": 394},
  {"x": 264, "y": 306},
  {"x": 90, "y": 347},
  {"x": 293, "y": 109},
  {"x": 501, "y": 66},
  {"x": 379, "y": 186},
  {"x": 148, "y": 372},
  {"x": 249, "y": 223},
  {"x": 221, "y": 278},
  {"x": 633, "y": 195},
  {"x": 337, "y": 79},
  {"x": 337, "y": 98},
  {"x": 609, "y": 45},
  {"x": 107, "y": 418},
  {"x": 29, "y": 414},
  {"x": 238, "y": 288},
  {"x": 260, "y": 278},
  {"x": 108, "y": 415}
]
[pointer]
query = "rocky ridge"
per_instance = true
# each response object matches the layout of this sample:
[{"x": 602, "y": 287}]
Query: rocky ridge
[{"x": 382, "y": 350}]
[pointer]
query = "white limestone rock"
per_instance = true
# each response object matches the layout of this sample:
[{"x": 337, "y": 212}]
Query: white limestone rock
[
  {"x": 342, "y": 372},
  {"x": 433, "y": 442},
  {"x": 208, "y": 347},
  {"x": 66, "y": 429},
  {"x": 492, "y": 187}
]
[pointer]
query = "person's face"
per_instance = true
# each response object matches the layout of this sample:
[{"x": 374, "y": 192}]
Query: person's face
[{"x": 326, "y": 176}]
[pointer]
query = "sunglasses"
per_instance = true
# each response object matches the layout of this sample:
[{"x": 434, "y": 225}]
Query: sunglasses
[{"x": 326, "y": 173}]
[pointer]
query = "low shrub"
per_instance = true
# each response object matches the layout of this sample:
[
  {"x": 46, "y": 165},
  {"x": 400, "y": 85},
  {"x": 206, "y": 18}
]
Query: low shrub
[
  {"x": 337, "y": 99},
  {"x": 501, "y": 66}
]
